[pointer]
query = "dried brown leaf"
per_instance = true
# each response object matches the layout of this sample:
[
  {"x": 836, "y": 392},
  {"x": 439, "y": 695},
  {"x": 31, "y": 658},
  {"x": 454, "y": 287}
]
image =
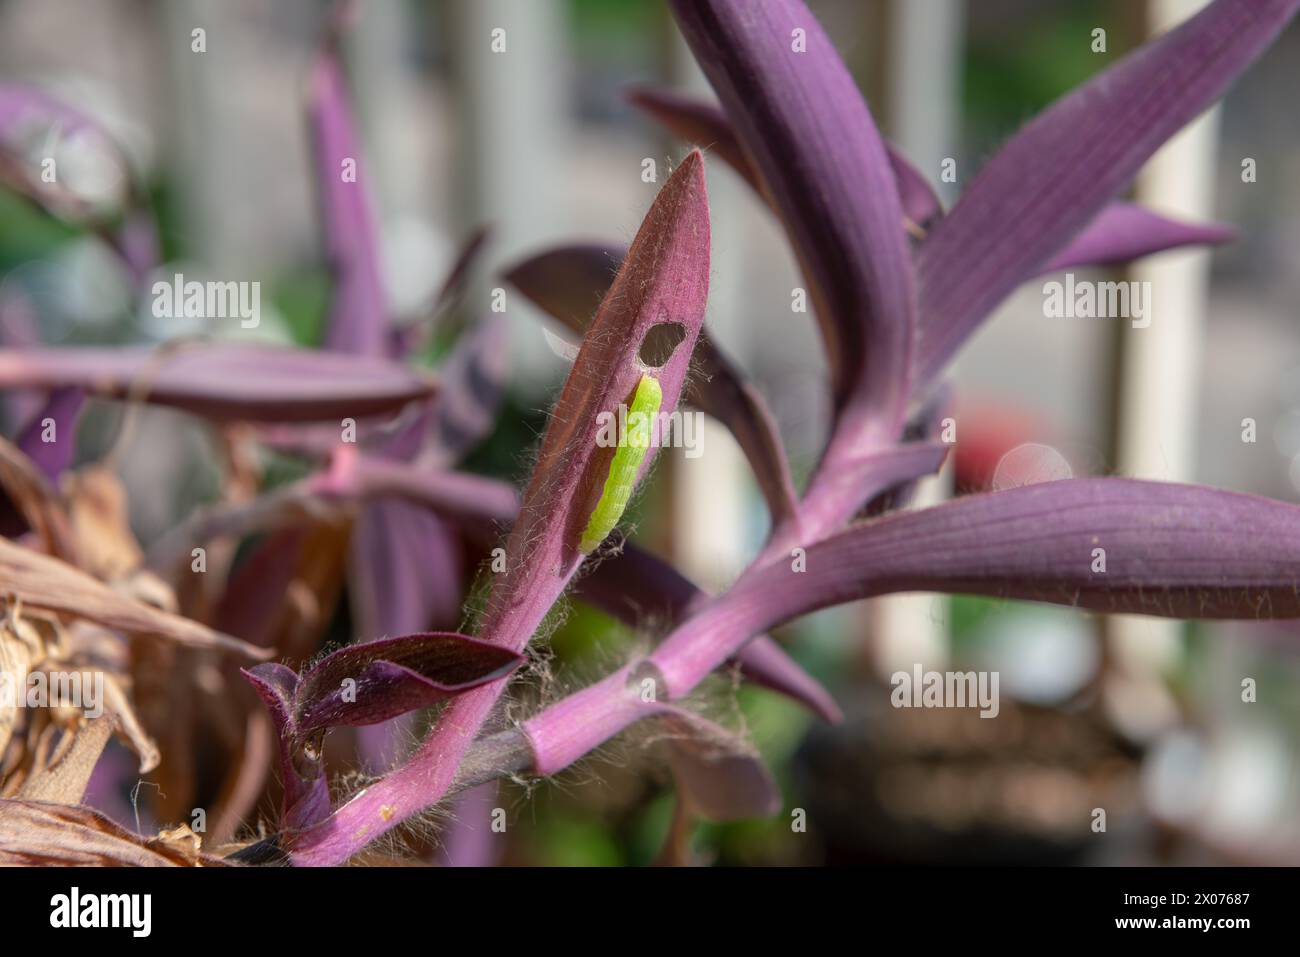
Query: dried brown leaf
[
  {"x": 37, "y": 500},
  {"x": 46, "y": 583},
  {"x": 97, "y": 503},
  {"x": 41, "y": 833},
  {"x": 65, "y": 780}
]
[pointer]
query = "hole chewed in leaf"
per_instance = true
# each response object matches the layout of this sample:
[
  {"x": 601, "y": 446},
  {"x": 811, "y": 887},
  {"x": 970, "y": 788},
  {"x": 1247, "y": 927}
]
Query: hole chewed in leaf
[{"x": 660, "y": 342}]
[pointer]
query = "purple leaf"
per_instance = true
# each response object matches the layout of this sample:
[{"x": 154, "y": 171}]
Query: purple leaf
[
  {"x": 801, "y": 119},
  {"x": 1046, "y": 184},
  {"x": 372, "y": 682},
  {"x": 471, "y": 501},
  {"x": 404, "y": 570},
  {"x": 460, "y": 496},
  {"x": 400, "y": 435},
  {"x": 306, "y": 792},
  {"x": 721, "y": 777},
  {"x": 700, "y": 123},
  {"x": 359, "y": 313},
  {"x": 924, "y": 428},
  {"x": 404, "y": 575},
  {"x": 218, "y": 381},
  {"x": 565, "y": 282},
  {"x": 569, "y": 282},
  {"x": 836, "y": 494},
  {"x": 62, "y": 408},
  {"x": 1170, "y": 550},
  {"x": 413, "y": 336},
  {"x": 472, "y": 381},
  {"x": 1125, "y": 231},
  {"x": 766, "y": 664},
  {"x": 1177, "y": 551},
  {"x": 255, "y": 593},
  {"x": 705, "y": 125},
  {"x": 921, "y": 205}
]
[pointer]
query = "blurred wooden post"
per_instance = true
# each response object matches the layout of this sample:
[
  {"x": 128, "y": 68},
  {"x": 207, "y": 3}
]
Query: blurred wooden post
[
  {"x": 923, "y": 54},
  {"x": 1160, "y": 364},
  {"x": 512, "y": 124}
]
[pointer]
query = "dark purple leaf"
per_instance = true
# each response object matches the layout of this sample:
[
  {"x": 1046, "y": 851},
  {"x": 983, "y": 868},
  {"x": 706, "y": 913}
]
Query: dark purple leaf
[
  {"x": 803, "y": 123},
  {"x": 306, "y": 792},
  {"x": 372, "y": 682},
  {"x": 255, "y": 593},
  {"x": 700, "y": 123},
  {"x": 472, "y": 382}
]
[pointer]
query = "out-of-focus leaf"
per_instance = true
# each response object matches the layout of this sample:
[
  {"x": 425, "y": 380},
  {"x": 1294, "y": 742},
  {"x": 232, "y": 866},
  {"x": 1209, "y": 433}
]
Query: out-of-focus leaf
[
  {"x": 49, "y": 439},
  {"x": 720, "y": 776},
  {"x": 101, "y": 522},
  {"x": 460, "y": 496},
  {"x": 468, "y": 500},
  {"x": 255, "y": 595},
  {"x": 359, "y": 321},
  {"x": 413, "y": 336},
  {"x": 220, "y": 381},
  {"x": 472, "y": 381},
  {"x": 404, "y": 570}
]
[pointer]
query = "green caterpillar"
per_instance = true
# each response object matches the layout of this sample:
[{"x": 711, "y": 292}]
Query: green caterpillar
[{"x": 626, "y": 463}]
